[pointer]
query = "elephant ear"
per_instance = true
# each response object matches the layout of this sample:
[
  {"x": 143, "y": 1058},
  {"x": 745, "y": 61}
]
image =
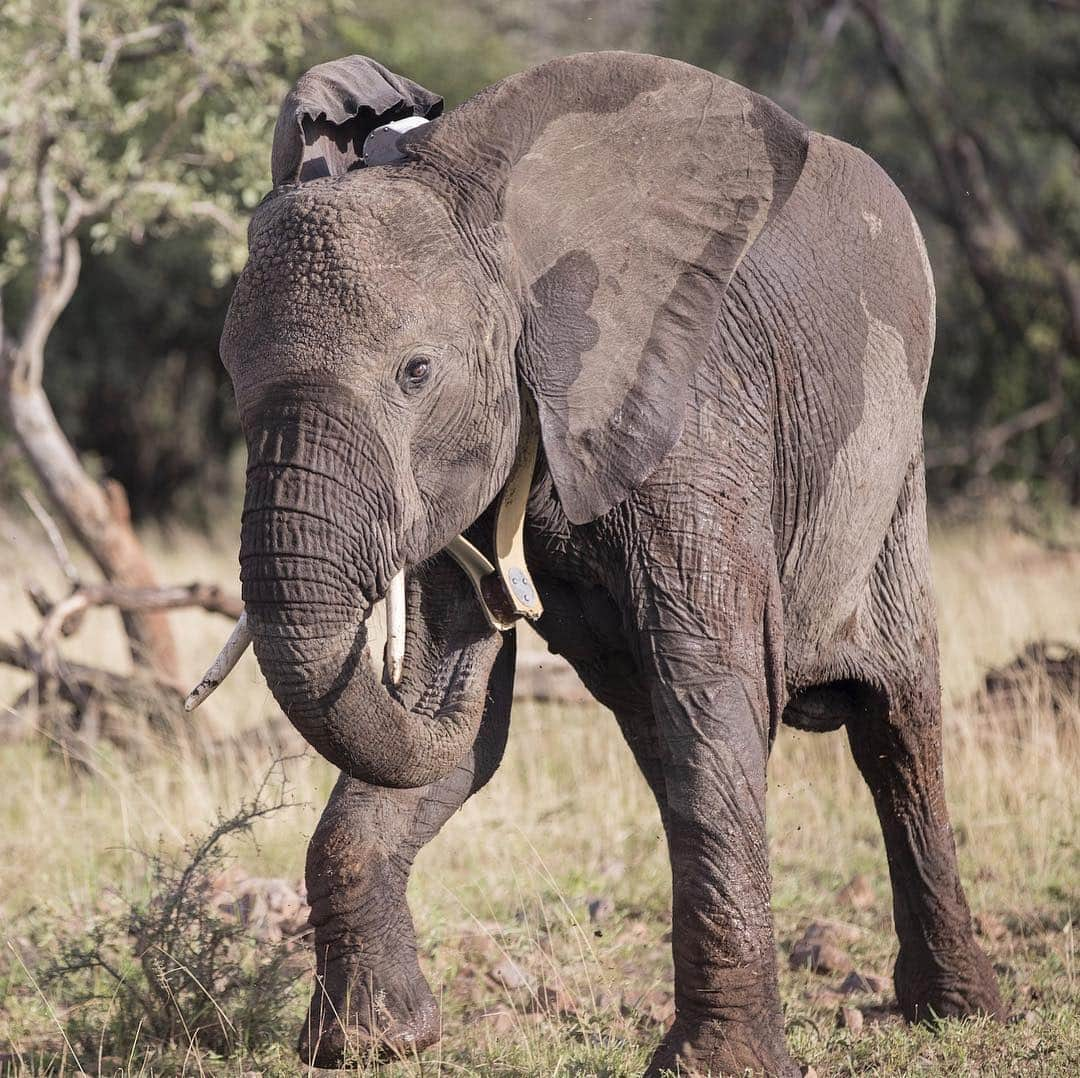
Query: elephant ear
[
  {"x": 326, "y": 116},
  {"x": 629, "y": 187}
]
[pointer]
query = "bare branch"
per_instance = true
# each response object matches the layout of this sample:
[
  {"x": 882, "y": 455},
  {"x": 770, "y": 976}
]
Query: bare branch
[
  {"x": 987, "y": 445},
  {"x": 72, "y": 35},
  {"x": 59, "y": 261},
  {"x": 56, "y": 539},
  {"x": 115, "y": 47},
  {"x": 81, "y": 680},
  {"x": 201, "y": 208},
  {"x": 207, "y": 596}
]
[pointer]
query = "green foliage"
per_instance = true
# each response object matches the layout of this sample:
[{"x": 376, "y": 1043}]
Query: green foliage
[
  {"x": 133, "y": 368},
  {"x": 447, "y": 47},
  {"x": 154, "y": 114}
]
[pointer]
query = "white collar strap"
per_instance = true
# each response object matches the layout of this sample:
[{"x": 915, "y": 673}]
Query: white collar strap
[{"x": 505, "y": 590}]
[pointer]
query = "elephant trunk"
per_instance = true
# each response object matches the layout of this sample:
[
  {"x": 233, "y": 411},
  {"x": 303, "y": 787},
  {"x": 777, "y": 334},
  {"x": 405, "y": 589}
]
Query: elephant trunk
[{"x": 308, "y": 594}]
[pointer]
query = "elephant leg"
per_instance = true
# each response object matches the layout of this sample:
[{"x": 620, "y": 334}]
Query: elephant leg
[
  {"x": 940, "y": 972},
  {"x": 714, "y": 728},
  {"x": 370, "y": 996},
  {"x": 895, "y": 737}
]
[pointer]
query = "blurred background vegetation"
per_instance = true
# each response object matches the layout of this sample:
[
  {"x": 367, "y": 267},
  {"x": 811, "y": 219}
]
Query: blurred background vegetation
[{"x": 971, "y": 105}]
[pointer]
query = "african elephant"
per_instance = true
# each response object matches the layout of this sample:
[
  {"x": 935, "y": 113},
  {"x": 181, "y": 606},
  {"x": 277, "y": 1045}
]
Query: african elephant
[{"x": 713, "y": 327}]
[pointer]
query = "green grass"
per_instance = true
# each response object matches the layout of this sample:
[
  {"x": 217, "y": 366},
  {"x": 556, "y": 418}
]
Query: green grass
[{"x": 567, "y": 820}]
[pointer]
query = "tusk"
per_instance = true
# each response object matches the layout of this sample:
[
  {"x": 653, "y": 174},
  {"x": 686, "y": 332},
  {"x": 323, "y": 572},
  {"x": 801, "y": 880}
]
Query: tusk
[
  {"x": 238, "y": 642},
  {"x": 395, "y": 628}
]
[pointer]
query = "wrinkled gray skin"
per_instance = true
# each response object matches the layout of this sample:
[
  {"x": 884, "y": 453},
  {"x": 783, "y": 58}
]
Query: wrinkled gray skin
[{"x": 726, "y": 323}]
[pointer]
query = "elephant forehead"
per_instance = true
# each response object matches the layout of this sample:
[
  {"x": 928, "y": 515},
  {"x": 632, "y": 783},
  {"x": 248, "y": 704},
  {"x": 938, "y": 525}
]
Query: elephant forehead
[
  {"x": 342, "y": 271},
  {"x": 350, "y": 235}
]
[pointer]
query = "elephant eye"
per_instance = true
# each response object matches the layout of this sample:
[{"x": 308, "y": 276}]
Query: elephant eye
[{"x": 415, "y": 373}]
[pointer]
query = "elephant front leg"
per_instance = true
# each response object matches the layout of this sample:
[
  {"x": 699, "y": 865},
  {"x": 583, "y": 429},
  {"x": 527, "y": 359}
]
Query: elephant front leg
[
  {"x": 715, "y": 732},
  {"x": 370, "y": 997}
]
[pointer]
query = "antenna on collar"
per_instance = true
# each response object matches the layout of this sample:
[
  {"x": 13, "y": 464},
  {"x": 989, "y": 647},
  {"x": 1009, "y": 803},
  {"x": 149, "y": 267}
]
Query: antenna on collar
[{"x": 381, "y": 145}]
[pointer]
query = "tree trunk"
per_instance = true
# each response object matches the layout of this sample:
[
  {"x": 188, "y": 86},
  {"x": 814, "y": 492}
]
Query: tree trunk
[{"x": 97, "y": 514}]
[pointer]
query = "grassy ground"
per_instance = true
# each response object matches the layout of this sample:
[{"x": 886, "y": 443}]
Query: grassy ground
[{"x": 531, "y": 983}]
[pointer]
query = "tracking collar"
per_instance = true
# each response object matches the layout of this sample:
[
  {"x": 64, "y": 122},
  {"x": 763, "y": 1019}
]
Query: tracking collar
[{"x": 505, "y": 590}]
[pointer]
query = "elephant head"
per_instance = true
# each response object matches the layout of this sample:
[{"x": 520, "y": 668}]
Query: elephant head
[{"x": 566, "y": 236}]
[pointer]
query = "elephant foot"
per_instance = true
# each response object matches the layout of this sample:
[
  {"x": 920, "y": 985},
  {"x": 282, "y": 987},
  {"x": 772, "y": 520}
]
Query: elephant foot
[
  {"x": 712, "y": 1049},
  {"x": 954, "y": 984},
  {"x": 364, "y": 1021}
]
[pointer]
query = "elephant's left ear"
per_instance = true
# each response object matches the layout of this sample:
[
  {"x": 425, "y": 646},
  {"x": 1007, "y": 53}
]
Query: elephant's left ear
[
  {"x": 331, "y": 110},
  {"x": 629, "y": 187}
]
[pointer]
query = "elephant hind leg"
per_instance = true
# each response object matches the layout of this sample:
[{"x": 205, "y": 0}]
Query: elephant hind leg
[{"x": 895, "y": 738}]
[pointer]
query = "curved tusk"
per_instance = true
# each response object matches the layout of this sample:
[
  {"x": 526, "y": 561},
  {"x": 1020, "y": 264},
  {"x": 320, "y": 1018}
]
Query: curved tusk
[
  {"x": 395, "y": 628},
  {"x": 238, "y": 642}
]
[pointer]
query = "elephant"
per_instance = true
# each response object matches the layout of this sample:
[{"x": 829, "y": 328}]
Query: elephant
[{"x": 686, "y": 341}]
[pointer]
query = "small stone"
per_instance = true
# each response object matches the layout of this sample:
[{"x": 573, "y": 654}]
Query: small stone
[
  {"x": 658, "y": 1006},
  {"x": 850, "y": 1018},
  {"x": 868, "y": 983},
  {"x": 820, "y": 957},
  {"x": 1027, "y": 1018},
  {"x": 856, "y": 893},
  {"x": 808, "y": 1072},
  {"x": 600, "y": 909},
  {"x": 839, "y": 932},
  {"x": 502, "y": 1021},
  {"x": 990, "y": 926},
  {"x": 509, "y": 975},
  {"x": 553, "y": 1000}
]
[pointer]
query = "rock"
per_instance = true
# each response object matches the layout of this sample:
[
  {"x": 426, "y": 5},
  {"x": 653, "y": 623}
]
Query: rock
[
  {"x": 820, "y": 957},
  {"x": 658, "y": 1006},
  {"x": 480, "y": 946},
  {"x": 850, "y": 1018},
  {"x": 509, "y": 975},
  {"x": 808, "y": 1072},
  {"x": 600, "y": 909},
  {"x": 990, "y": 926},
  {"x": 553, "y": 1000},
  {"x": 856, "y": 893},
  {"x": 868, "y": 983},
  {"x": 838, "y": 932},
  {"x": 825, "y": 997},
  {"x": 502, "y": 1021}
]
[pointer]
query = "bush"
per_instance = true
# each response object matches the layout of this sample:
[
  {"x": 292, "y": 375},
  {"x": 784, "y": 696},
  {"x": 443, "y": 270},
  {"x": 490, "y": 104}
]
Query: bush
[{"x": 168, "y": 970}]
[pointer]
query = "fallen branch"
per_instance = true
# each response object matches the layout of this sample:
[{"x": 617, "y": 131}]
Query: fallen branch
[
  {"x": 80, "y": 681},
  {"x": 207, "y": 596},
  {"x": 154, "y": 699}
]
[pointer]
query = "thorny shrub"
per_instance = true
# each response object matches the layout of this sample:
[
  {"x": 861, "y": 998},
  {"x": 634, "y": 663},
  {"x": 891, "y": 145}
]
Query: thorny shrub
[{"x": 169, "y": 969}]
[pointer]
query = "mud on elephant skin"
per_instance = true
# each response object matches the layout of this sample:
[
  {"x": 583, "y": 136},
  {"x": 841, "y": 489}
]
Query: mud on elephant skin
[{"x": 724, "y": 323}]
